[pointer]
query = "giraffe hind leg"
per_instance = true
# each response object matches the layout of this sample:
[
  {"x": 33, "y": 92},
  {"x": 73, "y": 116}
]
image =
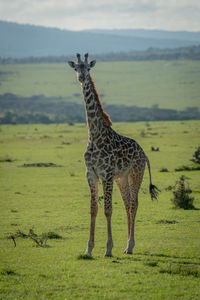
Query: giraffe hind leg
[
  {"x": 134, "y": 181},
  {"x": 124, "y": 188}
]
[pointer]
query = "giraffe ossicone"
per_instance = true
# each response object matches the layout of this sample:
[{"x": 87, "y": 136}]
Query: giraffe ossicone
[{"x": 109, "y": 157}]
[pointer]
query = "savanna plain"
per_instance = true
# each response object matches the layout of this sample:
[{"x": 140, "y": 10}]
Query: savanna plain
[
  {"x": 43, "y": 188},
  {"x": 169, "y": 84},
  {"x": 44, "y": 196}
]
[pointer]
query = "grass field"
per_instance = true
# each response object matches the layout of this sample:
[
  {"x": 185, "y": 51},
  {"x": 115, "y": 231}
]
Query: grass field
[
  {"x": 173, "y": 84},
  {"x": 166, "y": 259}
]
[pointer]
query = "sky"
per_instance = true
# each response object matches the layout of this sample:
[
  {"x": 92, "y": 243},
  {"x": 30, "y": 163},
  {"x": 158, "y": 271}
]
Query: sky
[{"x": 105, "y": 14}]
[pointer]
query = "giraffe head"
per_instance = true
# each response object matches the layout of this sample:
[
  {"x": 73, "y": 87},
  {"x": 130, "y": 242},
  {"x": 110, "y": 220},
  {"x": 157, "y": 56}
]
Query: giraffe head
[{"x": 82, "y": 68}]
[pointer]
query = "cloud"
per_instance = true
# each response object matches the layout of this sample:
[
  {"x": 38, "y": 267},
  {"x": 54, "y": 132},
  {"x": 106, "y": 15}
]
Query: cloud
[{"x": 83, "y": 14}]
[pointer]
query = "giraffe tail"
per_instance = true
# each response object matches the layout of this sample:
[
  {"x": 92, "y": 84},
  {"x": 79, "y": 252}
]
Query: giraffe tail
[{"x": 153, "y": 190}]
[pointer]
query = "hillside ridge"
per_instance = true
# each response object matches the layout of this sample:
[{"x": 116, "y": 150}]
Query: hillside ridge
[{"x": 22, "y": 40}]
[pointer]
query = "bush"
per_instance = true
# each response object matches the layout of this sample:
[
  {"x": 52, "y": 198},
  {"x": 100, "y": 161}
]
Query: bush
[
  {"x": 196, "y": 156},
  {"x": 181, "y": 194}
]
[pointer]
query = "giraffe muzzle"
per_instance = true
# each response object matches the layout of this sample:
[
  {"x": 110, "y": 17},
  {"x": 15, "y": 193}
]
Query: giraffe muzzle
[{"x": 81, "y": 77}]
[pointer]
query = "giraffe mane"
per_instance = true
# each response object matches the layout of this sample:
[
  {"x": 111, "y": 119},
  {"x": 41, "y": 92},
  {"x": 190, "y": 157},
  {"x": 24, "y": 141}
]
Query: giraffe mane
[{"x": 104, "y": 114}]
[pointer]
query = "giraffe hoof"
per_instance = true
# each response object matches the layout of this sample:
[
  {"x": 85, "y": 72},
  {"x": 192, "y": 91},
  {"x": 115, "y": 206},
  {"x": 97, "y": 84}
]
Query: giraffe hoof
[
  {"x": 108, "y": 254},
  {"x": 126, "y": 251},
  {"x": 89, "y": 253}
]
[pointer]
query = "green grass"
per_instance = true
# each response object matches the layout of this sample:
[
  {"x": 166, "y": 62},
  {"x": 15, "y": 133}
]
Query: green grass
[
  {"x": 172, "y": 84},
  {"x": 55, "y": 201}
]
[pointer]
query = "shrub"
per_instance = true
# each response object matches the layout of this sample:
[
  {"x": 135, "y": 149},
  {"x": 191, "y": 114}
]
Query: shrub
[
  {"x": 40, "y": 240},
  {"x": 181, "y": 194},
  {"x": 196, "y": 156}
]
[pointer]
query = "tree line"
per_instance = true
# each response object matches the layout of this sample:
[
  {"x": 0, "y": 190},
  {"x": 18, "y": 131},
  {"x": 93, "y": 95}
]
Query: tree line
[
  {"x": 190, "y": 53},
  {"x": 40, "y": 109}
]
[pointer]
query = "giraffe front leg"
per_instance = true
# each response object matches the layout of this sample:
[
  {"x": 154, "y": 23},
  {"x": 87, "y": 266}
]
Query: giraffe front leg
[
  {"x": 108, "y": 187},
  {"x": 93, "y": 184}
]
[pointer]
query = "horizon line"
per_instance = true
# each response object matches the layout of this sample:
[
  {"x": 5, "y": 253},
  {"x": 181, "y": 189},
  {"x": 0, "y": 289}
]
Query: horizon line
[{"x": 93, "y": 28}]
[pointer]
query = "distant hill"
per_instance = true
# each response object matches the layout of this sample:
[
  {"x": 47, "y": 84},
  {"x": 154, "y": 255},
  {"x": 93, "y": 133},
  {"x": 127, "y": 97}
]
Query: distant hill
[
  {"x": 193, "y": 37},
  {"x": 17, "y": 40}
]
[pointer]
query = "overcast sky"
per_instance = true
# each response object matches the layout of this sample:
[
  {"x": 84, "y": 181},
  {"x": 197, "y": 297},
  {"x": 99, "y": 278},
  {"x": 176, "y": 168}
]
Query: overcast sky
[{"x": 87, "y": 14}]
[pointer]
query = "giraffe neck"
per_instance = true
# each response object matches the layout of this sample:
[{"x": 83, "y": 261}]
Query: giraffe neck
[{"x": 97, "y": 119}]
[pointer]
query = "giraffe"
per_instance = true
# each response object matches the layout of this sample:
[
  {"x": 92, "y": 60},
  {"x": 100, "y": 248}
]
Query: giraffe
[{"x": 109, "y": 157}]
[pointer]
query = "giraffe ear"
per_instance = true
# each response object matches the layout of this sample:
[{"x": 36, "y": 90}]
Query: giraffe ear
[
  {"x": 92, "y": 63},
  {"x": 72, "y": 64}
]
